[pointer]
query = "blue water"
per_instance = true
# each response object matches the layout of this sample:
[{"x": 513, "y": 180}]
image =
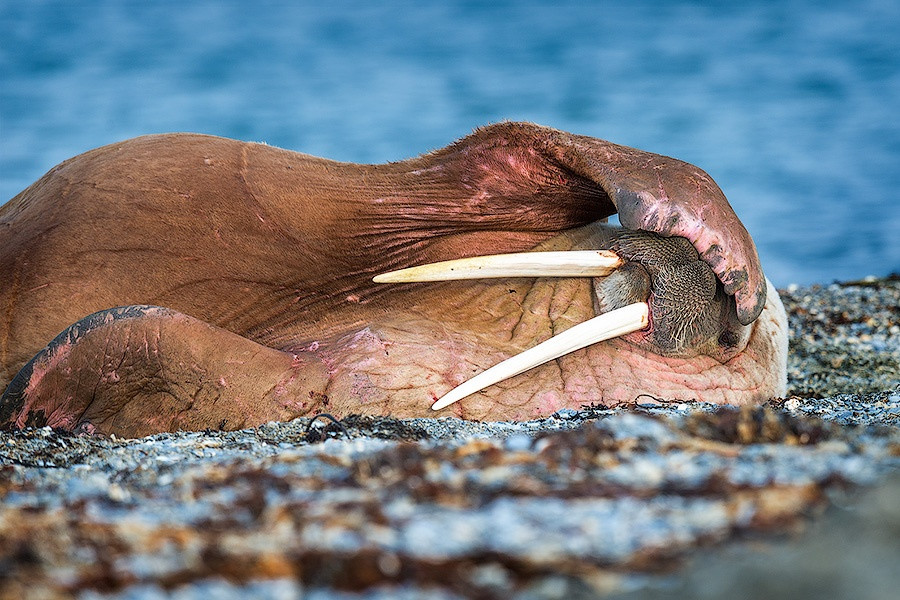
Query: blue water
[{"x": 792, "y": 106}]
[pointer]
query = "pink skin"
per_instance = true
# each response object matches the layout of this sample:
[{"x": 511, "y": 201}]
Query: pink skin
[
  {"x": 608, "y": 374},
  {"x": 58, "y": 409}
]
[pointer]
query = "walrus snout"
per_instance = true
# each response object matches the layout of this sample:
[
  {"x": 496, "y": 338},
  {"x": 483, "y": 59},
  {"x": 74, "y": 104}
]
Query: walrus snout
[
  {"x": 651, "y": 289},
  {"x": 690, "y": 312}
]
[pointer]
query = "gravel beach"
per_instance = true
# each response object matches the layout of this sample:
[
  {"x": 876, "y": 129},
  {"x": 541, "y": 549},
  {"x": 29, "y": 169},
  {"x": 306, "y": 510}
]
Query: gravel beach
[{"x": 796, "y": 498}]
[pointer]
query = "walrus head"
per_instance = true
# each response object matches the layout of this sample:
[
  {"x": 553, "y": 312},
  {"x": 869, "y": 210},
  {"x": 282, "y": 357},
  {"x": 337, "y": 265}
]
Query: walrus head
[
  {"x": 673, "y": 332},
  {"x": 691, "y": 313}
]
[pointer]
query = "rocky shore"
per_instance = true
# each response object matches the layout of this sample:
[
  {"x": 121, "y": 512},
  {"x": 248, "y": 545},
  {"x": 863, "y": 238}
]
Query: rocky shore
[{"x": 796, "y": 498}]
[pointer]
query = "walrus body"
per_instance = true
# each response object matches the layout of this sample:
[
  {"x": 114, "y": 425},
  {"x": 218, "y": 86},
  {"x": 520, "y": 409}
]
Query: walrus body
[{"x": 244, "y": 276}]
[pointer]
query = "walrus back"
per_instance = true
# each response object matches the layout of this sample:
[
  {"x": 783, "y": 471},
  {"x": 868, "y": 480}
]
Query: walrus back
[
  {"x": 222, "y": 230},
  {"x": 101, "y": 230}
]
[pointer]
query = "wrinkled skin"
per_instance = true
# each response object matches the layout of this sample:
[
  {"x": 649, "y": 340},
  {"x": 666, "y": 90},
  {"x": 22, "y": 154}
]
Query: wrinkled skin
[{"x": 245, "y": 276}]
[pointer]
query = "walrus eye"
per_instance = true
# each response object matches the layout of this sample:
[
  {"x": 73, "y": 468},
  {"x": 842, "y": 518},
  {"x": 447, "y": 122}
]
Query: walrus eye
[
  {"x": 576, "y": 263},
  {"x": 573, "y": 263}
]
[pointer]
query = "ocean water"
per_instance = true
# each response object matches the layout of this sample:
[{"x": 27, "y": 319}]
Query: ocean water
[{"x": 792, "y": 106}]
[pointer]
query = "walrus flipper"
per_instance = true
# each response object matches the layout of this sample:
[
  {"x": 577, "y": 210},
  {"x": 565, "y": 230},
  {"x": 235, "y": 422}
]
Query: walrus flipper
[
  {"x": 649, "y": 192},
  {"x": 135, "y": 370}
]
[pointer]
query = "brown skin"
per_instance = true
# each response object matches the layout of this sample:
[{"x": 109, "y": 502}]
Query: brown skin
[{"x": 271, "y": 253}]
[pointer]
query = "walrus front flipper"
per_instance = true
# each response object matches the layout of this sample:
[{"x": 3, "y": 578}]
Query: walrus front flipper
[
  {"x": 136, "y": 370},
  {"x": 649, "y": 192}
]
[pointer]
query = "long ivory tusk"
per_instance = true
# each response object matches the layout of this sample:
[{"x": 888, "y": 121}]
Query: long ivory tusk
[
  {"x": 608, "y": 325},
  {"x": 574, "y": 263}
]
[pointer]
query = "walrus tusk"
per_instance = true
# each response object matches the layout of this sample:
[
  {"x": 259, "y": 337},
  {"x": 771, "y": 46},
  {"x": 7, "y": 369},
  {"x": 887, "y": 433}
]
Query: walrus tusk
[
  {"x": 574, "y": 263},
  {"x": 608, "y": 325}
]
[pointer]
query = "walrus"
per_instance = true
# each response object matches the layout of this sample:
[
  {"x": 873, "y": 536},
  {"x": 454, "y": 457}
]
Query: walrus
[{"x": 207, "y": 283}]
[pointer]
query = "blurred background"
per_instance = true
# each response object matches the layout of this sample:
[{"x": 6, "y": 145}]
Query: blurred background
[{"x": 792, "y": 106}]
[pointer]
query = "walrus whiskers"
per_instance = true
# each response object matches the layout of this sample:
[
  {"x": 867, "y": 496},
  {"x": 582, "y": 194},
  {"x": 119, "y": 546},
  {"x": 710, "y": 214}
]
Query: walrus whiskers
[
  {"x": 614, "y": 323},
  {"x": 575, "y": 263}
]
